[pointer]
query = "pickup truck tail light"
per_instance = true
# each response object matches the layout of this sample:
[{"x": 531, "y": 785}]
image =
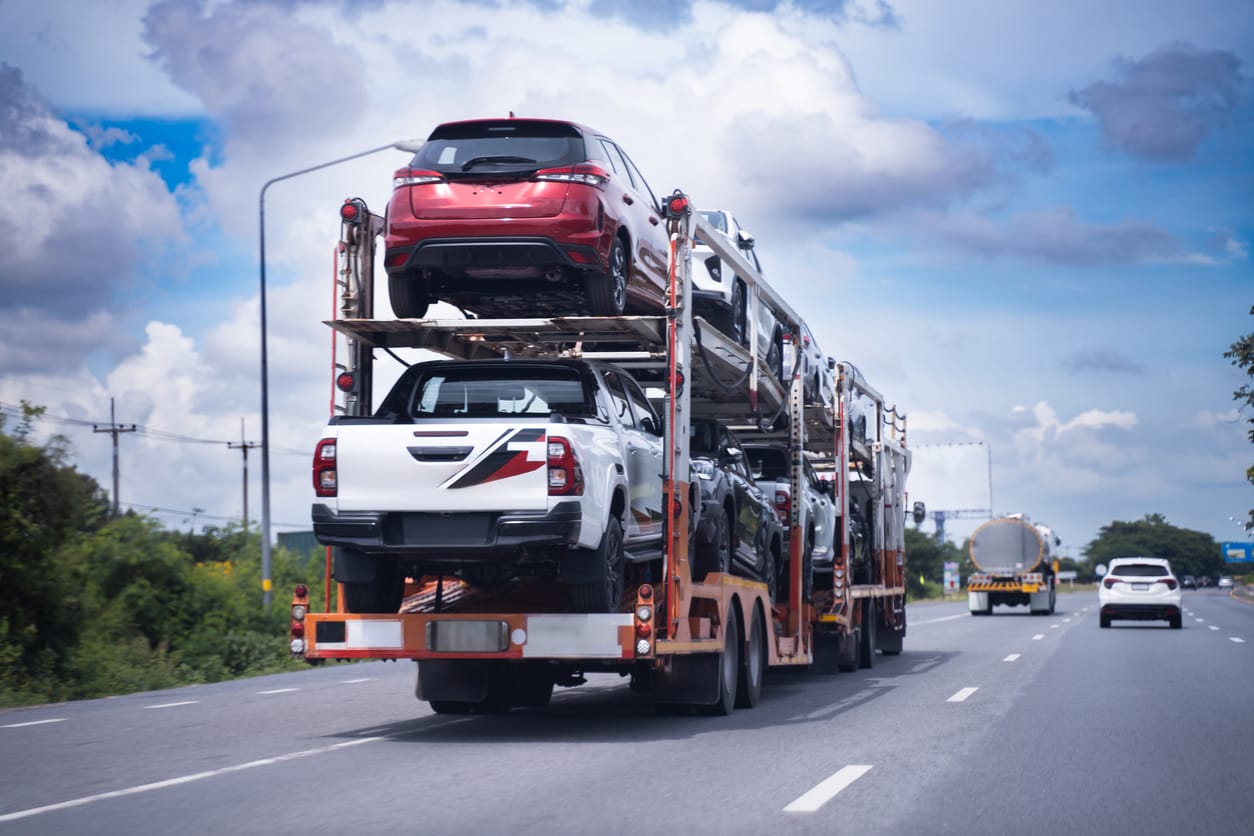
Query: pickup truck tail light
[
  {"x": 325, "y": 481},
  {"x": 565, "y": 472},
  {"x": 783, "y": 506}
]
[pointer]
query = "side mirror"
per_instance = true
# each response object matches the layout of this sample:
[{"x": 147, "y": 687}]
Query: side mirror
[
  {"x": 744, "y": 240},
  {"x": 650, "y": 425},
  {"x": 734, "y": 453},
  {"x": 918, "y": 513},
  {"x": 831, "y": 363}
]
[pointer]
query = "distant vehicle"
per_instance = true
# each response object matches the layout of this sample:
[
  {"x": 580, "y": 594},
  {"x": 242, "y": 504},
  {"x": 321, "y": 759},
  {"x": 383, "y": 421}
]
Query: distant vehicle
[
  {"x": 524, "y": 217},
  {"x": 1188, "y": 582},
  {"x": 1225, "y": 582},
  {"x": 1140, "y": 589}
]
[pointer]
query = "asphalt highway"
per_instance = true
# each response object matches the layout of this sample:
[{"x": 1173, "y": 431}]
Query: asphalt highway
[{"x": 992, "y": 725}]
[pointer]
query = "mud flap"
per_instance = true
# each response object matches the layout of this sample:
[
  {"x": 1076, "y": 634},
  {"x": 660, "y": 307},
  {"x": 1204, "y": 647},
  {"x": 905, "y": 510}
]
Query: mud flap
[
  {"x": 459, "y": 680},
  {"x": 691, "y": 679}
]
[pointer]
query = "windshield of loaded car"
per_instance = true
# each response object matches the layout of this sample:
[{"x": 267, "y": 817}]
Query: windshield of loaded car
[
  {"x": 767, "y": 463},
  {"x": 502, "y": 392},
  {"x": 500, "y": 147}
]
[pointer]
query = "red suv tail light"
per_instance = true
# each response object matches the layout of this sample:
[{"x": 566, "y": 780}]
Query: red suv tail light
[
  {"x": 414, "y": 177},
  {"x": 325, "y": 481},
  {"x": 565, "y": 472},
  {"x": 589, "y": 175},
  {"x": 783, "y": 506},
  {"x": 1171, "y": 582},
  {"x": 1110, "y": 582}
]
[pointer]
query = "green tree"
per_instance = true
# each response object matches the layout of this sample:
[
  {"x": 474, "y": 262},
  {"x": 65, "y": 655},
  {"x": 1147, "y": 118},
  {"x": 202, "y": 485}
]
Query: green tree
[
  {"x": 1241, "y": 354},
  {"x": 45, "y": 505},
  {"x": 925, "y": 563},
  {"x": 1190, "y": 552}
]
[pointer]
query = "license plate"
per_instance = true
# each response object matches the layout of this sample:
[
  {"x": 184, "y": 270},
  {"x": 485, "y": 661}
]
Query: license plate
[
  {"x": 468, "y": 636},
  {"x": 1140, "y": 587}
]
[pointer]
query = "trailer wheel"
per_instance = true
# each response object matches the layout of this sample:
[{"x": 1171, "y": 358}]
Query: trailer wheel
[
  {"x": 728, "y": 666},
  {"x": 866, "y": 648},
  {"x": 606, "y": 592},
  {"x": 451, "y": 707},
  {"x": 607, "y": 292},
  {"x": 409, "y": 296},
  {"x": 715, "y": 555},
  {"x": 753, "y": 666},
  {"x": 381, "y": 595}
]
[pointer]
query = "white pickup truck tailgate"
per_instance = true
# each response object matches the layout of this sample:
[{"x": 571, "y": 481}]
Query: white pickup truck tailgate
[{"x": 442, "y": 466}]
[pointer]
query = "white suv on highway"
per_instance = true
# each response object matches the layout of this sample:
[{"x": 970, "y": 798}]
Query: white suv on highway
[{"x": 1140, "y": 589}]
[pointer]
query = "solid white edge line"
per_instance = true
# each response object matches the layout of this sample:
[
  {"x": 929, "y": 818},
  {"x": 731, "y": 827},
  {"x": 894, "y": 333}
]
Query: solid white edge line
[
  {"x": 279, "y": 691},
  {"x": 355, "y": 681},
  {"x": 173, "y": 704},
  {"x": 32, "y": 723},
  {"x": 962, "y": 695},
  {"x": 938, "y": 620},
  {"x": 827, "y": 789},
  {"x": 1012, "y": 657},
  {"x": 173, "y": 782}
]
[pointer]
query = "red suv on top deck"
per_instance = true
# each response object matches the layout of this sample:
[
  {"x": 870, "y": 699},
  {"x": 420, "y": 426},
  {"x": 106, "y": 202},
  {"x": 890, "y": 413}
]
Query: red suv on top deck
[{"x": 524, "y": 217}]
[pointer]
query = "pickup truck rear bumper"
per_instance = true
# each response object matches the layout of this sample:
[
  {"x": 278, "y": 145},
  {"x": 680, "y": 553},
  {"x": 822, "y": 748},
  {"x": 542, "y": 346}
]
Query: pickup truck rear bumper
[{"x": 431, "y": 534}]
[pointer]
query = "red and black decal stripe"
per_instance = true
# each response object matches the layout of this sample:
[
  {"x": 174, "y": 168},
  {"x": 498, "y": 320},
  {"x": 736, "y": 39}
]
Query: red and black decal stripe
[{"x": 501, "y": 462}]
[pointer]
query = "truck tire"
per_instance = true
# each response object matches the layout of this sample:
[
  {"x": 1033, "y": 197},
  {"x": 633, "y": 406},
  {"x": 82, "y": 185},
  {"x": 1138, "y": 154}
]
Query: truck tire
[
  {"x": 606, "y": 592},
  {"x": 753, "y": 665},
  {"x": 715, "y": 555},
  {"x": 866, "y": 641},
  {"x": 451, "y": 707},
  {"x": 408, "y": 295},
  {"x": 381, "y": 595},
  {"x": 607, "y": 292},
  {"x": 728, "y": 666}
]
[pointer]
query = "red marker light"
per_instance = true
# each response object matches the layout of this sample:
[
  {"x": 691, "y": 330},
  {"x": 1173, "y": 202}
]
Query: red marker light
[
  {"x": 349, "y": 211},
  {"x": 344, "y": 382}
]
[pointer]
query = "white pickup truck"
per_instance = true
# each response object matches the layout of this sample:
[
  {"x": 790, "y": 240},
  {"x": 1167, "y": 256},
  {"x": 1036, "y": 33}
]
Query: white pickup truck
[{"x": 492, "y": 471}]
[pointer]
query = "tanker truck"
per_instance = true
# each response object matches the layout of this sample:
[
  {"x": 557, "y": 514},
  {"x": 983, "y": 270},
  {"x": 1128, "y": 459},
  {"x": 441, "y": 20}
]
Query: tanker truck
[{"x": 1013, "y": 565}]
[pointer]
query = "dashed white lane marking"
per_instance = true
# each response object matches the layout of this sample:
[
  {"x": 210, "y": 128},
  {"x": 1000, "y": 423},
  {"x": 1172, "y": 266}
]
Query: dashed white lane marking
[
  {"x": 1054, "y": 626},
  {"x": 1066, "y": 621},
  {"x": 827, "y": 789},
  {"x": 1212, "y": 627},
  {"x": 1200, "y": 620},
  {"x": 173, "y": 704},
  {"x": 279, "y": 691},
  {"x": 185, "y": 779},
  {"x": 1038, "y": 637},
  {"x": 938, "y": 620},
  {"x": 1011, "y": 657},
  {"x": 1235, "y": 639},
  {"x": 962, "y": 695},
  {"x": 355, "y": 681},
  {"x": 32, "y": 723}
]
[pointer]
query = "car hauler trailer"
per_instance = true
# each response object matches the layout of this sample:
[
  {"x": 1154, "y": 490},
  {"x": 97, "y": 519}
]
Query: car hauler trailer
[
  {"x": 1014, "y": 566},
  {"x": 706, "y": 642}
]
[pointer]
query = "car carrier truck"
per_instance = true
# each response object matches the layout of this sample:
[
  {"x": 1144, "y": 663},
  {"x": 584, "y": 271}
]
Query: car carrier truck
[
  {"x": 485, "y": 644},
  {"x": 1011, "y": 555}
]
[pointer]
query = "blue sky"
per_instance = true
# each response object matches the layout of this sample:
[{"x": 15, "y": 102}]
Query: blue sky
[{"x": 1028, "y": 223}]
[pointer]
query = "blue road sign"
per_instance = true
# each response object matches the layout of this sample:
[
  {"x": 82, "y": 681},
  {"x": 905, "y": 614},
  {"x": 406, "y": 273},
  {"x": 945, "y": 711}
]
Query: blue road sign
[{"x": 1238, "y": 552}]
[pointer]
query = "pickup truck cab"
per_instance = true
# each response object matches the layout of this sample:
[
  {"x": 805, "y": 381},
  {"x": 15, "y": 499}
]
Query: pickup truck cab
[{"x": 489, "y": 471}]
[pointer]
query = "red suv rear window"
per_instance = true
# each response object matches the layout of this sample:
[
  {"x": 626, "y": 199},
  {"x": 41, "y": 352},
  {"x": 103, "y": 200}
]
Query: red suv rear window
[{"x": 502, "y": 147}]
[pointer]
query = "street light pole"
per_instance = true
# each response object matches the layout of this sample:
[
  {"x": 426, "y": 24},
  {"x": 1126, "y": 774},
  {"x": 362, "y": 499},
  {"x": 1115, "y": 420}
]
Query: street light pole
[{"x": 266, "y": 591}]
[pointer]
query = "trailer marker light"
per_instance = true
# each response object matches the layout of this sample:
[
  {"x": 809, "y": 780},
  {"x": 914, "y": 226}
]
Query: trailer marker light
[
  {"x": 302, "y": 591},
  {"x": 348, "y": 211},
  {"x": 646, "y": 591},
  {"x": 298, "y": 645},
  {"x": 298, "y": 631},
  {"x": 643, "y": 630},
  {"x": 642, "y": 647},
  {"x": 644, "y": 612},
  {"x": 344, "y": 381},
  {"x": 298, "y": 612}
]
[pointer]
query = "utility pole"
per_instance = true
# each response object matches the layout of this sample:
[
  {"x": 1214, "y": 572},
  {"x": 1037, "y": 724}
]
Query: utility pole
[
  {"x": 114, "y": 429},
  {"x": 244, "y": 447}
]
